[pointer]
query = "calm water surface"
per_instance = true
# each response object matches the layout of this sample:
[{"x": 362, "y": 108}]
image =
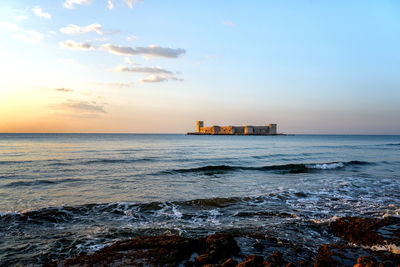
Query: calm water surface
[{"x": 62, "y": 194}]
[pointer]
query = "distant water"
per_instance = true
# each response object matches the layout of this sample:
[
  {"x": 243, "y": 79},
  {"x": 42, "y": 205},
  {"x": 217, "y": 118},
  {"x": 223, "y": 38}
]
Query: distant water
[{"x": 62, "y": 194}]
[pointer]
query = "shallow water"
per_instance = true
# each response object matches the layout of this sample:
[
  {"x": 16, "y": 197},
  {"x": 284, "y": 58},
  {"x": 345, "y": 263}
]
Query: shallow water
[{"x": 61, "y": 194}]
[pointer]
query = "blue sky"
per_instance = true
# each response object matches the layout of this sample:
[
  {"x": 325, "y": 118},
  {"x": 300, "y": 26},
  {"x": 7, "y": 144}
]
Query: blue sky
[{"x": 158, "y": 66}]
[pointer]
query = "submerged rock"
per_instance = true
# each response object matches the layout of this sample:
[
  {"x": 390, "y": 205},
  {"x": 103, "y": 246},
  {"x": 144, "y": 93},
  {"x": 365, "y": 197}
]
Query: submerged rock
[
  {"x": 159, "y": 251},
  {"x": 368, "y": 231}
]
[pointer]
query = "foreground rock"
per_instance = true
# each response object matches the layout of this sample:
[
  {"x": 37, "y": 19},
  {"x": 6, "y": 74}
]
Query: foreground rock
[
  {"x": 368, "y": 231},
  {"x": 373, "y": 242},
  {"x": 367, "y": 242},
  {"x": 214, "y": 250}
]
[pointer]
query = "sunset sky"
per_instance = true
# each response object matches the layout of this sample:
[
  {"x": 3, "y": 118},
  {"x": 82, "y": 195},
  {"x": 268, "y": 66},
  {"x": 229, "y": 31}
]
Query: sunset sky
[{"x": 153, "y": 66}]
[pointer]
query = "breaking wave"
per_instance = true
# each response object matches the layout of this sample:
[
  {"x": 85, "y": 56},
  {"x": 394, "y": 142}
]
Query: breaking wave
[{"x": 283, "y": 169}]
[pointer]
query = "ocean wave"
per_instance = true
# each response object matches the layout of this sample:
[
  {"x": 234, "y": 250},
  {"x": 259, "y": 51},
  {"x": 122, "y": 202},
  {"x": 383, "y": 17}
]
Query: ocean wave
[
  {"x": 40, "y": 182},
  {"x": 393, "y": 144},
  {"x": 99, "y": 161},
  {"x": 15, "y": 161},
  {"x": 283, "y": 169}
]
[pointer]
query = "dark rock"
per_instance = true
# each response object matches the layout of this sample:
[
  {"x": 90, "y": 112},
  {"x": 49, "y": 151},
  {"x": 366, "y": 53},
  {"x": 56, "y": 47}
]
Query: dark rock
[
  {"x": 366, "y": 261},
  {"x": 387, "y": 264},
  {"x": 344, "y": 255},
  {"x": 276, "y": 259},
  {"x": 203, "y": 259},
  {"x": 229, "y": 263},
  {"x": 221, "y": 246},
  {"x": 368, "y": 231},
  {"x": 258, "y": 246},
  {"x": 252, "y": 261},
  {"x": 159, "y": 250},
  {"x": 325, "y": 257}
]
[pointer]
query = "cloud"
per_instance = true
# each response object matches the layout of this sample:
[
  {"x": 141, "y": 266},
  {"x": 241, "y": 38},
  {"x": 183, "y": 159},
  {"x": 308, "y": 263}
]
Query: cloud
[
  {"x": 131, "y": 38},
  {"x": 159, "y": 78},
  {"x": 130, "y": 3},
  {"x": 19, "y": 18},
  {"x": 130, "y": 62},
  {"x": 154, "y": 79},
  {"x": 115, "y": 85},
  {"x": 176, "y": 79},
  {"x": 65, "y": 90},
  {"x": 76, "y": 46},
  {"x": 39, "y": 12},
  {"x": 70, "y": 3},
  {"x": 151, "y": 70},
  {"x": 110, "y": 5},
  {"x": 152, "y": 50},
  {"x": 72, "y": 29},
  {"x": 228, "y": 23},
  {"x": 9, "y": 26},
  {"x": 81, "y": 106},
  {"x": 30, "y": 36}
]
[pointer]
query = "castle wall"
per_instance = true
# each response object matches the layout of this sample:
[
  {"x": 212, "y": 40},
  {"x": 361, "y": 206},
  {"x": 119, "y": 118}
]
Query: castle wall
[{"x": 240, "y": 130}]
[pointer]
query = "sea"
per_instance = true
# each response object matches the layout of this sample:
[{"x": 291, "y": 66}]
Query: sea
[{"x": 64, "y": 194}]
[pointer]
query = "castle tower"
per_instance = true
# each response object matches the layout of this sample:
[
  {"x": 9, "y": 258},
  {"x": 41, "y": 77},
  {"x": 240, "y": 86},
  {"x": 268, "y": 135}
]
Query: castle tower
[
  {"x": 273, "y": 128},
  {"x": 199, "y": 124}
]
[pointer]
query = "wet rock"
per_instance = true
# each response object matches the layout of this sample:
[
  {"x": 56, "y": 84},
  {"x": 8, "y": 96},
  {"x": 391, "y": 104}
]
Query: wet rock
[
  {"x": 258, "y": 246},
  {"x": 160, "y": 251},
  {"x": 366, "y": 261},
  {"x": 229, "y": 263},
  {"x": 276, "y": 259},
  {"x": 345, "y": 255},
  {"x": 154, "y": 251},
  {"x": 368, "y": 231},
  {"x": 203, "y": 259},
  {"x": 252, "y": 261},
  {"x": 220, "y": 246}
]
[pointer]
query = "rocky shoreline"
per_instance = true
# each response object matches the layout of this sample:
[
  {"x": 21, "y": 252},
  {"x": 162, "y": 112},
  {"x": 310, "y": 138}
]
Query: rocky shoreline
[{"x": 363, "y": 242}]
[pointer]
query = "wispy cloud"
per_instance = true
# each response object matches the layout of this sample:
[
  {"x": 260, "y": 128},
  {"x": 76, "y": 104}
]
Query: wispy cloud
[
  {"x": 30, "y": 36},
  {"x": 130, "y": 62},
  {"x": 131, "y": 38},
  {"x": 152, "y": 50},
  {"x": 115, "y": 85},
  {"x": 152, "y": 70},
  {"x": 76, "y": 30},
  {"x": 130, "y": 3},
  {"x": 154, "y": 79},
  {"x": 70, "y": 4},
  {"x": 228, "y": 23},
  {"x": 81, "y": 106},
  {"x": 110, "y": 4},
  {"x": 39, "y": 12},
  {"x": 64, "y": 90},
  {"x": 9, "y": 26},
  {"x": 70, "y": 44}
]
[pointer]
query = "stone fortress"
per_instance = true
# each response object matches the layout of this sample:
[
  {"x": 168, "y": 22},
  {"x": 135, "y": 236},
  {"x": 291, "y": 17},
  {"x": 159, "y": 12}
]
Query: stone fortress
[{"x": 270, "y": 129}]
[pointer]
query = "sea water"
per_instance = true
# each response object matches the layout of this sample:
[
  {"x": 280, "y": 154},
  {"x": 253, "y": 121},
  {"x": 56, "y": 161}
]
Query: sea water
[{"x": 63, "y": 194}]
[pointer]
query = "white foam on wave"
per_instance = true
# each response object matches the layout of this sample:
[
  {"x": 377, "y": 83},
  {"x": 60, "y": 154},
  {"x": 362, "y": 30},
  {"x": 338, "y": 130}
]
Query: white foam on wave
[
  {"x": 323, "y": 221},
  {"x": 176, "y": 212},
  {"x": 327, "y": 166},
  {"x": 392, "y": 248},
  {"x": 213, "y": 217}
]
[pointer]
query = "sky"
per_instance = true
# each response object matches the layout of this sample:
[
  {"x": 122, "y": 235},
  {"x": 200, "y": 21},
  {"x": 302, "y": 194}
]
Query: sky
[{"x": 157, "y": 66}]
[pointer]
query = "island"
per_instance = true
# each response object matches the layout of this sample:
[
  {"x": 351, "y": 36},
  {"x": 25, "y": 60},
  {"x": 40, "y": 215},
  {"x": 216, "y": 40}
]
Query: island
[{"x": 270, "y": 129}]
